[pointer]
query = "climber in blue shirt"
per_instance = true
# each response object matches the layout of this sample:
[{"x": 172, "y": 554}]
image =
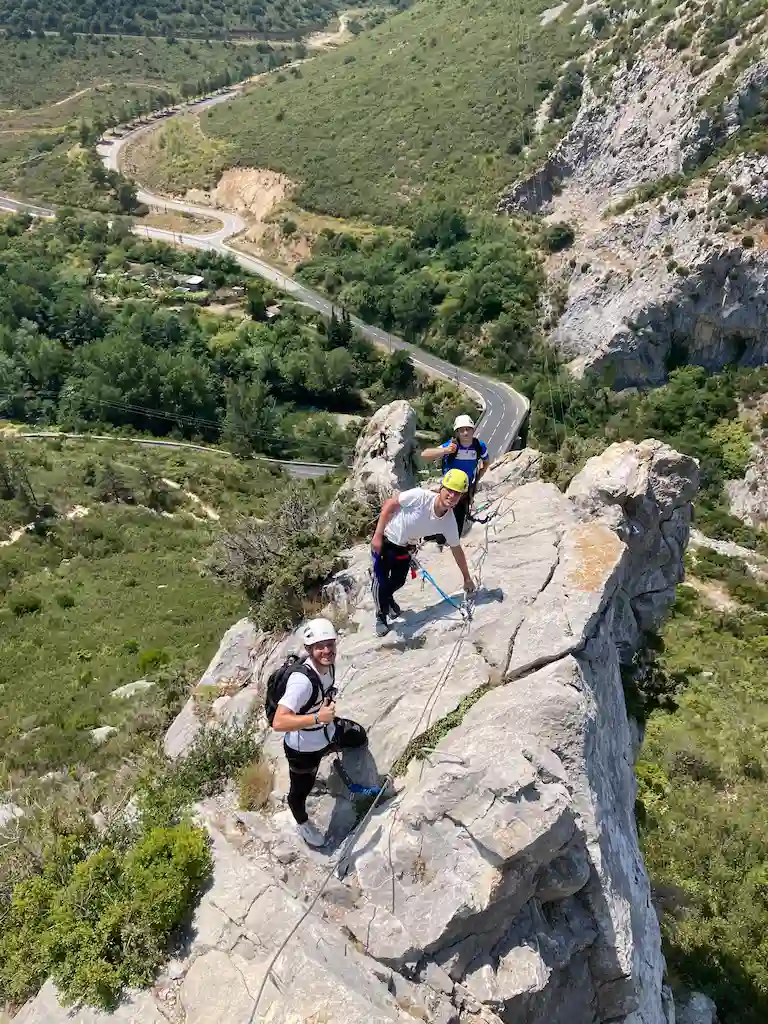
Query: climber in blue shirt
[{"x": 466, "y": 452}]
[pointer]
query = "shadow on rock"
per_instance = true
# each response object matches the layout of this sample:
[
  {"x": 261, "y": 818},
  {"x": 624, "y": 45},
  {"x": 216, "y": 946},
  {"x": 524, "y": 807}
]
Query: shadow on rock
[
  {"x": 413, "y": 622},
  {"x": 360, "y": 768}
]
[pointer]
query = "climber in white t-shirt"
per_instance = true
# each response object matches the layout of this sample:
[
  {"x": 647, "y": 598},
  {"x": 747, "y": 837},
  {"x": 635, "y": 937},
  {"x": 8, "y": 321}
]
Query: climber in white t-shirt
[
  {"x": 306, "y": 712},
  {"x": 405, "y": 519}
]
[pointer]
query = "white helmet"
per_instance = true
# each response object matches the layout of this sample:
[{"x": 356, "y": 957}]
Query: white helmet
[
  {"x": 463, "y": 421},
  {"x": 317, "y": 630}
]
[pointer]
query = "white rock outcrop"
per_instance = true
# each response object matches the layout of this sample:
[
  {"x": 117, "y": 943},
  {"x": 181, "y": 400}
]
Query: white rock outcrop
[
  {"x": 500, "y": 880},
  {"x": 385, "y": 455},
  {"x": 129, "y": 690},
  {"x": 221, "y": 694},
  {"x": 669, "y": 281},
  {"x": 748, "y": 497}
]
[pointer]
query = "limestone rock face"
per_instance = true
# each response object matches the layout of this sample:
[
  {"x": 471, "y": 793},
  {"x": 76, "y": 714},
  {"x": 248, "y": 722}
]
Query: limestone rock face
[
  {"x": 222, "y": 693},
  {"x": 668, "y": 281},
  {"x": 643, "y": 492},
  {"x": 499, "y": 879},
  {"x": 514, "y": 469},
  {"x": 385, "y": 455},
  {"x": 749, "y": 497}
]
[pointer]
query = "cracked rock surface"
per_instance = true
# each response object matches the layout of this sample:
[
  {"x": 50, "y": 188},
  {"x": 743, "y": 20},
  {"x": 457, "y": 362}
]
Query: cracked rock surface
[
  {"x": 669, "y": 279},
  {"x": 501, "y": 880}
]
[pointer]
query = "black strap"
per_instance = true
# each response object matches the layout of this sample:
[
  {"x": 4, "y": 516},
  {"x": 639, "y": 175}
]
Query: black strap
[{"x": 317, "y": 688}]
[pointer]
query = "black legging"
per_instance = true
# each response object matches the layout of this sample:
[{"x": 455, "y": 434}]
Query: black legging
[
  {"x": 390, "y": 571},
  {"x": 304, "y": 766}
]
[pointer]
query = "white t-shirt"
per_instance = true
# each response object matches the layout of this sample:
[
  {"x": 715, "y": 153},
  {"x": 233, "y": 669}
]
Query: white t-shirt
[
  {"x": 416, "y": 519},
  {"x": 298, "y": 690}
]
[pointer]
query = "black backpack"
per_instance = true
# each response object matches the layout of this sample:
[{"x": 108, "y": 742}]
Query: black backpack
[{"x": 278, "y": 680}]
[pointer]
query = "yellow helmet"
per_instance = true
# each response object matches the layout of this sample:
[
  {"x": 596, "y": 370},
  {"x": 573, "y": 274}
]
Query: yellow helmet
[{"x": 456, "y": 480}]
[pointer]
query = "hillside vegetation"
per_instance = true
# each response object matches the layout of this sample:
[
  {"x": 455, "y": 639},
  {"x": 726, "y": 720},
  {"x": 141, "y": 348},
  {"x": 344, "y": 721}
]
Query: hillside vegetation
[
  {"x": 164, "y": 17},
  {"x": 466, "y": 288},
  {"x": 59, "y": 94},
  {"x": 99, "y": 328},
  {"x": 702, "y": 790},
  {"x": 435, "y": 103},
  {"x": 41, "y": 72}
]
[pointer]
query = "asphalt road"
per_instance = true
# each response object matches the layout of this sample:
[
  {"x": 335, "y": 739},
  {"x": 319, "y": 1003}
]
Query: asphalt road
[
  {"x": 299, "y": 470},
  {"x": 504, "y": 409}
]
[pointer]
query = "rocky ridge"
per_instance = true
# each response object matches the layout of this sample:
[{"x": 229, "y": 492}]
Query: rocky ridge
[
  {"x": 748, "y": 497},
  {"x": 641, "y": 290},
  {"x": 500, "y": 880}
]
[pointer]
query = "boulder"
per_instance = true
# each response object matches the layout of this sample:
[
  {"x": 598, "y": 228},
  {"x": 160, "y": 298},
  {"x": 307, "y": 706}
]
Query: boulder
[
  {"x": 748, "y": 498},
  {"x": 131, "y": 689},
  {"x": 222, "y": 694},
  {"x": 697, "y": 1009},
  {"x": 102, "y": 734},
  {"x": 8, "y": 814},
  {"x": 385, "y": 456}
]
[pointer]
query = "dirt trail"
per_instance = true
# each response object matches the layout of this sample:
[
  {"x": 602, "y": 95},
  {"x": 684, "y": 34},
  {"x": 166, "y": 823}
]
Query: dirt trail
[
  {"x": 209, "y": 512},
  {"x": 76, "y": 512},
  {"x": 319, "y": 40},
  {"x": 78, "y": 94}
]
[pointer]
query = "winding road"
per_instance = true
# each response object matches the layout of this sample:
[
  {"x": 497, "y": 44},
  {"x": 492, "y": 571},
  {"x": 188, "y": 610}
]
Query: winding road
[{"x": 504, "y": 409}]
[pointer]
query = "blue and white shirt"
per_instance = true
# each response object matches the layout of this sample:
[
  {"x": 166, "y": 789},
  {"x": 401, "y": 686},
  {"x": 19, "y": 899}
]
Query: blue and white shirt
[{"x": 465, "y": 458}]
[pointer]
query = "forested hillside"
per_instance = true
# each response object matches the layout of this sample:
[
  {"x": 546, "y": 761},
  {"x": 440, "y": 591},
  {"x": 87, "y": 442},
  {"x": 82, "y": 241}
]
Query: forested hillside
[
  {"x": 98, "y": 327},
  {"x": 163, "y": 17},
  {"x": 437, "y": 102},
  {"x": 58, "y": 94},
  {"x": 468, "y": 288},
  {"x": 702, "y": 783}
]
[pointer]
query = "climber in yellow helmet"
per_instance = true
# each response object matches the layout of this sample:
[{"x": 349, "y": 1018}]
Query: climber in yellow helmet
[{"x": 405, "y": 519}]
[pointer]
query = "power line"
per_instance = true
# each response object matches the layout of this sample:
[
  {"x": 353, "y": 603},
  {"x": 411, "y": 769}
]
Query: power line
[{"x": 184, "y": 419}]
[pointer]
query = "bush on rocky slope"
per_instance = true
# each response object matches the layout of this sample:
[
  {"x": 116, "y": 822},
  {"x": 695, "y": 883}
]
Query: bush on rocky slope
[
  {"x": 702, "y": 794},
  {"x": 100, "y": 923},
  {"x": 695, "y": 412},
  {"x": 466, "y": 287}
]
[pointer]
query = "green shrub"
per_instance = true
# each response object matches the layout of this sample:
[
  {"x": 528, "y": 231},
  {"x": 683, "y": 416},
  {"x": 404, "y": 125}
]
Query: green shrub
[
  {"x": 735, "y": 443},
  {"x": 255, "y": 785},
  {"x": 153, "y": 658},
  {"x": 65, "y": 600},
  {"x": 748, "y": 242},
  {"x": 558, "y": 236},
  {"x": 217, "y": 754},
  {"x": 24, "y": 604},
  {"x": 702, "y": 802},
  {"x": 283, "y": 571},
  {"x": 103, "y": 923}
]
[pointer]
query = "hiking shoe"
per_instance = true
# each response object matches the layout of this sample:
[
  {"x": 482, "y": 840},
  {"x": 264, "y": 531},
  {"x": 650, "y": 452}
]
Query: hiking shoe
[
  {"x": 396, "y": 610},
  {"x": 381, "y": 627},
  {"x": 312, "y": 836}
]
